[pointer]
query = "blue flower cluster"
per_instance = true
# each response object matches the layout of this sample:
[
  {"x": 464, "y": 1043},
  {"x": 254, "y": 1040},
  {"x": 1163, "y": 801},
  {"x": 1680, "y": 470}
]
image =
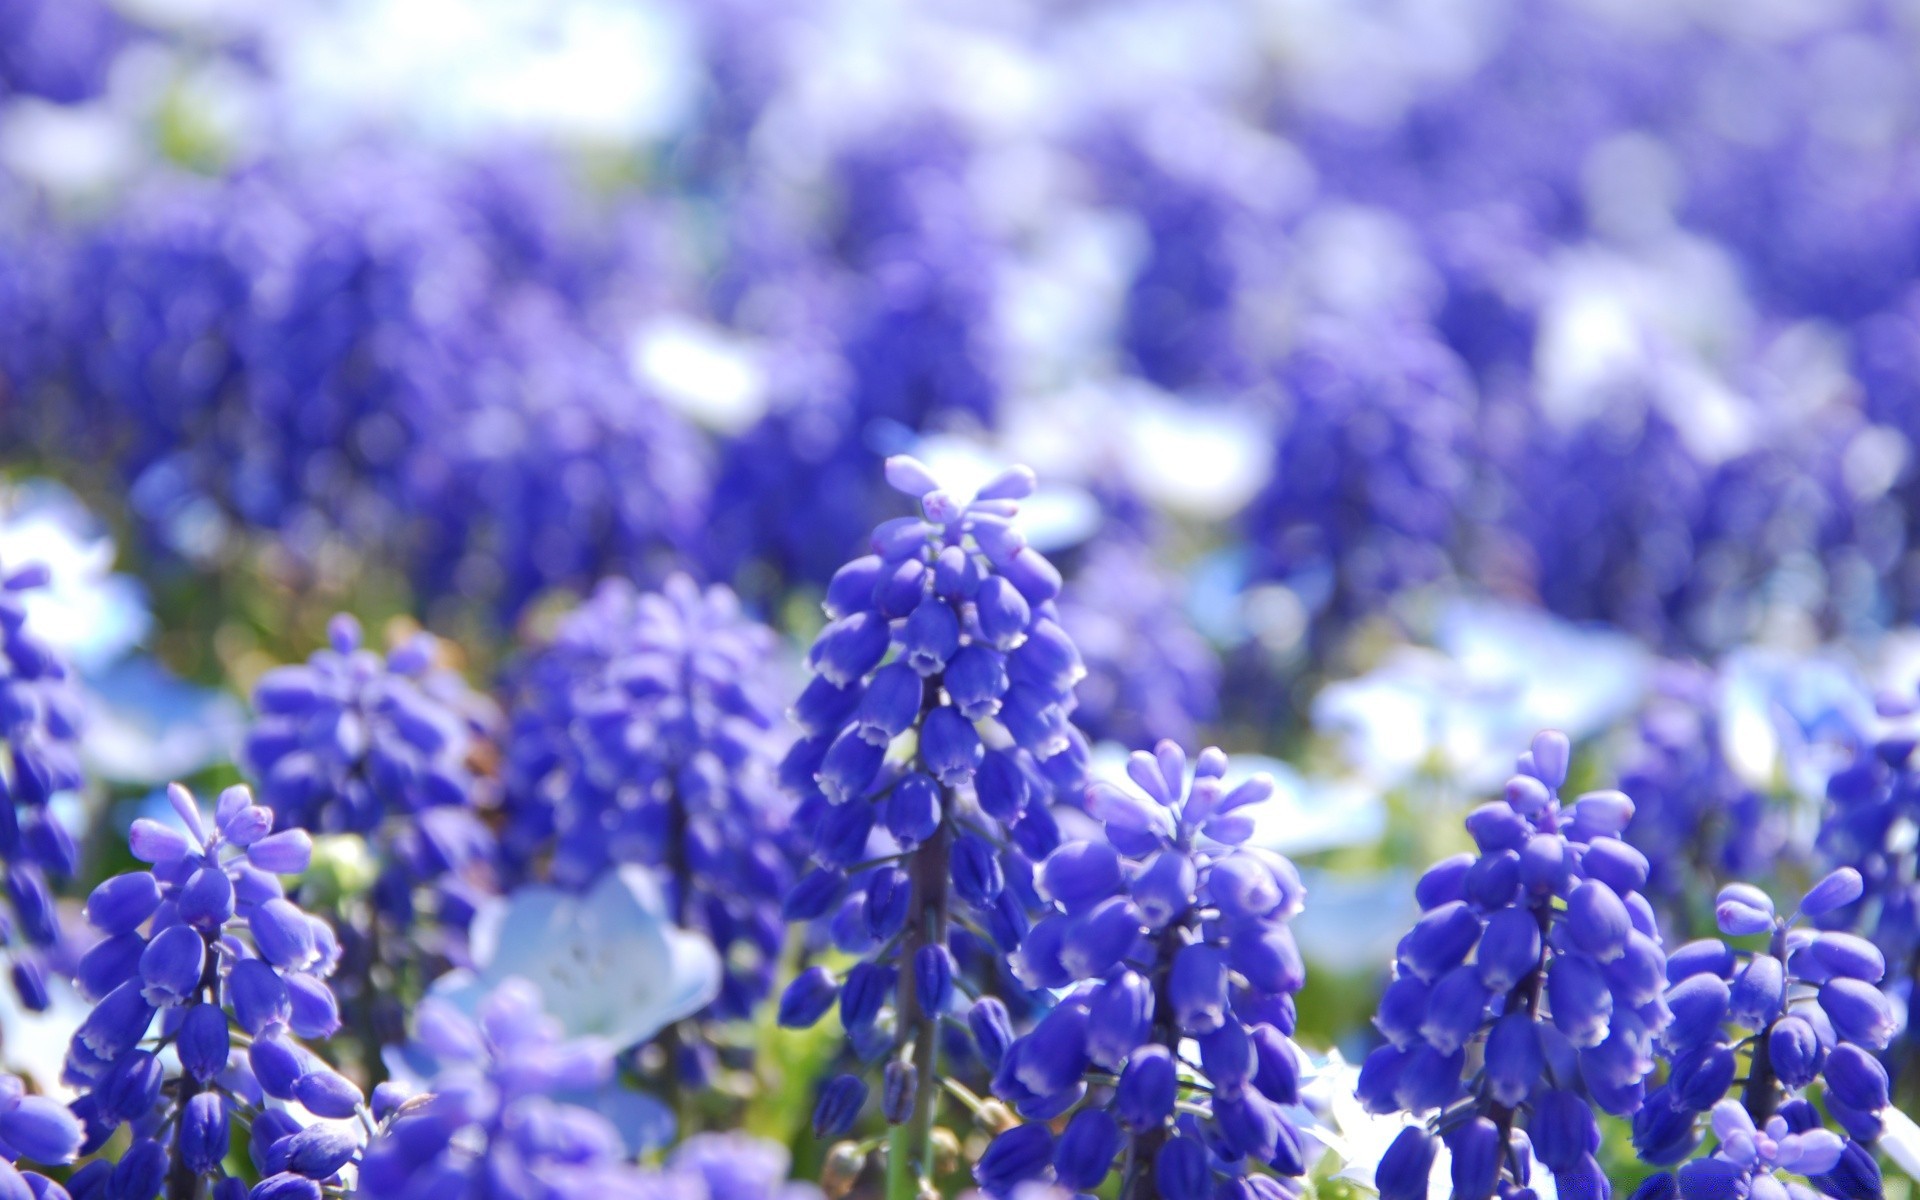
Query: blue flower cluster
[
  {"x": 394, "y": 350},
  {"x": 1801, "y": 1010},
  {"x": 354, "y": 742},
  {"x": 649, "y": 731},
  {"x": 1168, "y": 931},
  {"x": 494, "y": 1117},
  {"x": 40, "y": 725},
  {"x": 1530, "y": 992},
  {"x": 936, "y": 730},
  {"x": 1873, "y": 806},
  {"x": 207, "y": 943},
  {"x": 1372, "y": 472}
]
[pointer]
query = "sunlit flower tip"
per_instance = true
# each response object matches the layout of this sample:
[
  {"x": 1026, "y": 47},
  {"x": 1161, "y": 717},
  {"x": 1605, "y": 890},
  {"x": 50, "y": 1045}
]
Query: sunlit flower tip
[
  {"x": 1052, "y": 1058},
  {"x": 1597, "y": 920},
  {"x": 933, "y": 978},
  {"x": 863, "y": 993},
  {"x": 1085, "y": 1150},
  {"x": 1860, "y": 1012},
  {"x": 285, "y": 1186},
  {"x": 1197, "y": 988},
  {"x": 286, "y": 853},
  {"x": 1509, "y": 949},
  {"x": 992, "y": 1029},
  {"x": 41, "y": 1129},
  {"x": 277, "y": 1064},
  {"x": 1793, "y": 1049},
  {"x": 889, "y": 705},
  {"x": 140, "y": 1172},
  {"x": 1849, "y": 955},
  {"x": 1022, "y": 1153},
  {"x": 283, "y": 934},
  {"x": 1148, "y": 1087},
  {"x": 388, "y": 1097},
  {"x": 319, "y": 1151},
  {"x": 1477, "y": 1149},
  {"x": 1002, "y": 613},
  {"x": 1119, "y": 1018},
  {"x": 171, "y": 965},
  {"x": 122, "y": 903},
  {"x": 1404, "y": 1169},
  {"x": 976, "y": 679},
  {"x": 808, "y": 998},
  {"x": 898, "y": 1087},
  {"x": 203, "y": 1041},
  {"x": 117, "y": 1023},
  {"x": 977, "y": 874},
  {"x": 950, "y": 747},
  {"x": 849, "y": 768},
  {"x": 910, "y": 476},
  {"x": 1741, "y": 909},
  {"x": 815, "y": 895},
  {"x": 930, "y": 636},
  {"x": 202, "y": 1141},
  {"x": 1514, "y": 1059},
  {"x": 1580, "y": 1000},
  {"x": 1705, "y": 956},
  {"x": 343, "y": 633},
  {"x": 913, "y": 810},
  {"x": 316, "y": 1012},
  {"x": 1440, "y": 940},
  {"x": 327, "y": 1094},
  {"x": 1455, "y": 1009},
  {"x": 1758, "y": 993},
  {"x": 206, "y": 900},
  {"x": 1836, "y": 891}
]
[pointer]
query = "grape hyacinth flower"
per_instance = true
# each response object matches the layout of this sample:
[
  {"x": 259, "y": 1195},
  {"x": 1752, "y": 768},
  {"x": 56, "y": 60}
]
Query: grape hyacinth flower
[
  {"x": 495, "y": 1106},
  {"x": 935, "y": 731},
  {"x": 40, "y": 723},
  {"x": 351, "y": 742},
  {"x": 208, "y": 944},
  {"x": 648, "y": 732},
  {"x": 1169, "y": 930},
  {"x": 1774, "y": 1021},
  {"x": 35, "y": 1128},
  {"x": 1873, "y": 807},
  {"x": 1529, "y": 994}
]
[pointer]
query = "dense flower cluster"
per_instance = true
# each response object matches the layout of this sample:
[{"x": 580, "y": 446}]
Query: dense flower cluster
[
  {"x": 353, "y": 742},
  {"x": 40, "y": 725},
  {"x": 649, "y": 731},
  {"x": 207, "y": 943},
  {"x": 1873, "y": 808},
  {"x": 1168, "y": 930},
  {"x": 936, "y": 730},
  {"x": 1530, "y": 993},
  {"x": 1802, "y": 1010},
  {"x": 1372, "y": 472},
  {"x": 494, "y": 1112}
]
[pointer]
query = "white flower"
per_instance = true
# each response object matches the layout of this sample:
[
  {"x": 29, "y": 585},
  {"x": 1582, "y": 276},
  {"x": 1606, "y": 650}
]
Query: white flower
[
  {"x": 608, "y": 963},
  {"x": 90, "y": 615}
]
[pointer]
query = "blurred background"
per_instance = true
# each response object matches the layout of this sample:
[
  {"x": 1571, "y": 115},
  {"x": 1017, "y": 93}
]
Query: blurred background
[{"x": 1405, "y": 375}]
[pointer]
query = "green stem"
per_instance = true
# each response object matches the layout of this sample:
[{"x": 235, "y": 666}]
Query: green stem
[{"x": 910, "y": 1144}]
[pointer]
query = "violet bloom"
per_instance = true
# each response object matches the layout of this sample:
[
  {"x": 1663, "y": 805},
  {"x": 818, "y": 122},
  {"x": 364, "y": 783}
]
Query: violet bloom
[
  {"x": 1772, "y": 1023},
  {"x": 1168, "y": 929},
  {"x": 207, "y": 943},
  {"x": 1539, "y": 959},
  {"x": 936, "y": 730},
  {"x": 40, "y": 725},
  {"x": 355, "y": 742},
  {"x": 648, "y": 731}
]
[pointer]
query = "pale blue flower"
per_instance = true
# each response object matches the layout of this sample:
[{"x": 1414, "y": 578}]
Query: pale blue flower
[{"x": 608, "y": 964}]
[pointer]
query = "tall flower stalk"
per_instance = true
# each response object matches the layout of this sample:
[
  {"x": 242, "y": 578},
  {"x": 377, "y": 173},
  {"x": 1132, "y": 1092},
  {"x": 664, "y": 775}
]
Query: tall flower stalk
[{"x": 936, "y": 728}]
